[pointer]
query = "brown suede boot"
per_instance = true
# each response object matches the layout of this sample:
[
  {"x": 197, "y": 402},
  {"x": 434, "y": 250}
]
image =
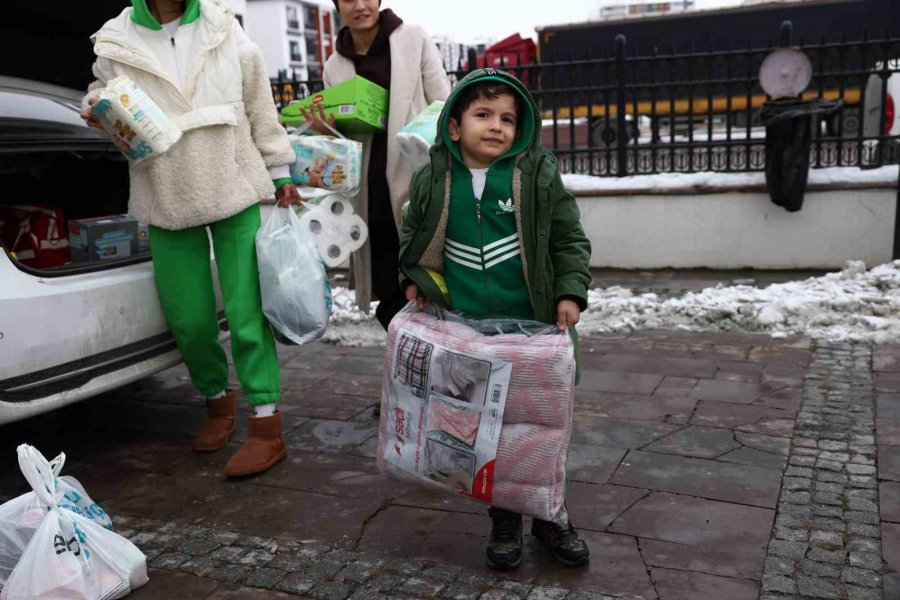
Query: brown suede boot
[
  {"x": 264, "y": 447},
  {"x": 221, "y": 424}
]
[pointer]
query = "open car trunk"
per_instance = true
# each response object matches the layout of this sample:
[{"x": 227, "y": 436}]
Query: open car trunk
[
  {"x": 55, "y": 173},
  {"x": 47, "y": 192}
]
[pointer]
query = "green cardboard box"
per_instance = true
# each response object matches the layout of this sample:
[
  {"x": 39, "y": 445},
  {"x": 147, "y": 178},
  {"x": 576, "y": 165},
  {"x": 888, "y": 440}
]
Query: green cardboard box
[{"x": 358, "y": 106}]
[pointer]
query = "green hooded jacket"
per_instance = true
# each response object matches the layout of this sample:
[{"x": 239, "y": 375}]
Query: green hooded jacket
[{"x": 555, "y": 252}]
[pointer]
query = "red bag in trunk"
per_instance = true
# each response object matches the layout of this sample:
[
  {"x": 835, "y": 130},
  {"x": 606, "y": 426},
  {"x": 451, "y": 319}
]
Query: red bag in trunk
[{"x": 37, "y": 235}]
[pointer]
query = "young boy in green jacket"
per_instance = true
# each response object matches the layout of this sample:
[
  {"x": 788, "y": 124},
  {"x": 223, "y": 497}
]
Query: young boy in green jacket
[{"x": 491, "y": 231}]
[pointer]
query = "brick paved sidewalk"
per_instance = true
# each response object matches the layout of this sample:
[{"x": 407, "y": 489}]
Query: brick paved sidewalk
[{"x": 678, "y": 481}]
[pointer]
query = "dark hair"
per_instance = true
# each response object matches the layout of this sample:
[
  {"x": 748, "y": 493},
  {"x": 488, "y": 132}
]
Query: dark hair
[{"x": 489, "y": 90}]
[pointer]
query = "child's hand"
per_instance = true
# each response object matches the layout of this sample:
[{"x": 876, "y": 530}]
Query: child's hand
[
  {"x": 567, "y": 314},
  {"x": 413, "y": 295}
]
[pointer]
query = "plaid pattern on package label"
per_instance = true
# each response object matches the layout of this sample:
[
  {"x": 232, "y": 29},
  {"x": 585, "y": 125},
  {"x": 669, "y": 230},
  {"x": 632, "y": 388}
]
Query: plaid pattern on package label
[{"x": 413, "y": 357}]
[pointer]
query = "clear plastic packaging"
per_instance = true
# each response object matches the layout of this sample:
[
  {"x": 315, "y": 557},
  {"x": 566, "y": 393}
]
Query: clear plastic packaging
[
  {"x": 296, "y": 295},
  {"x": 479, "y": 407}
]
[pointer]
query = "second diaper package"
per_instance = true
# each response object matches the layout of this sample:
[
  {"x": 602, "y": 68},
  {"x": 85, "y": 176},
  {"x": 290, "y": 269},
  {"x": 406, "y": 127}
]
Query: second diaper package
[
  {"x": 326, "y": 162},
  {"x": 418, "y": 135},
  {"x": 135, "y": 123}
]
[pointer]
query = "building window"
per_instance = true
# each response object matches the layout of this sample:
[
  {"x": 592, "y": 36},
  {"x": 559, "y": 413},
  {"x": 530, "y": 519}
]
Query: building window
[
  {"x": 296, "y": 56},
  {"x": 293, "y": 21},
  {"x": 311, "y": 17}
]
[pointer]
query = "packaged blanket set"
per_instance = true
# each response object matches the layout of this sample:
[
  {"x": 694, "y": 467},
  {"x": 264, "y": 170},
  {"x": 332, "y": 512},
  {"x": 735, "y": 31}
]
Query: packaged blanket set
[{"x": 479, "y": 408}]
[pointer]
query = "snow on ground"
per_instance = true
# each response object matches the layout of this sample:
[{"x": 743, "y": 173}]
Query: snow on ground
[
  {"x": 853, "y": 304},
  {"x": 663, "y": 182}
]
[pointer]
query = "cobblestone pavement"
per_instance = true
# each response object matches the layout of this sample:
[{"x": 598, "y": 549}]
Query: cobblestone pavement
[
  {"x": 696, "y": 459},
  {"x": 827, "y": 541}
]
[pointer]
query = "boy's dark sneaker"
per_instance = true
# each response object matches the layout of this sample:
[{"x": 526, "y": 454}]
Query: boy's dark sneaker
[
  {"x": 563, "y": 542},
  {"x": 504, "y": 551}
]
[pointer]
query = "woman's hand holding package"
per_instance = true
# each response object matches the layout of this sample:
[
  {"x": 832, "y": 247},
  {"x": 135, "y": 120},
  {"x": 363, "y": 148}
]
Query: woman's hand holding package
[
  {"x": 318, "y": 122},
  {"x": 89, "y": 117},
  {"x": 567, "y": 314},
  {"x": 287, "y": 195}
]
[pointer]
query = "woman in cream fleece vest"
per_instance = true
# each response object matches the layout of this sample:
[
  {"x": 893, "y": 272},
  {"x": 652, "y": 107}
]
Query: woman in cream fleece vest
[{"x": 194, "y": 60}]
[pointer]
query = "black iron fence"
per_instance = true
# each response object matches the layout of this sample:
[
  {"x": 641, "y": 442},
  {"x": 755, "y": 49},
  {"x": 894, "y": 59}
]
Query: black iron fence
[{"x": 698, "y": 109}]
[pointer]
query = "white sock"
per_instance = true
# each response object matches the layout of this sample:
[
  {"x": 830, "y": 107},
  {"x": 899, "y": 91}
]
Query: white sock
[
  {"x": 265, "y": 410},
  {"x": 217, "y": 396}
]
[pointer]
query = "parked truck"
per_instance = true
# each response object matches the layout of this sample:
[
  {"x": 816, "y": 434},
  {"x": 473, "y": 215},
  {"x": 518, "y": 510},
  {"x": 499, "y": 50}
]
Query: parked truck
[{"x": 712, "y": 59}]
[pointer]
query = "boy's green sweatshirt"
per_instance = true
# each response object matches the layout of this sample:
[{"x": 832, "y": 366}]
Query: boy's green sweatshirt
[{"x": 483, "y": 265}]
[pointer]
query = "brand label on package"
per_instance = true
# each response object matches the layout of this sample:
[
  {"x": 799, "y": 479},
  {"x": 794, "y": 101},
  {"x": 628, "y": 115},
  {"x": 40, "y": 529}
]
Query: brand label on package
[{"x": 446, "y": 414}]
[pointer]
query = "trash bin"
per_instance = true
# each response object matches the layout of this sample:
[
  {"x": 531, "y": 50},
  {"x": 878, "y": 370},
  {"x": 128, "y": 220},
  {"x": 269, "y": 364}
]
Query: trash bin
[{"x": 788, "y": 124}]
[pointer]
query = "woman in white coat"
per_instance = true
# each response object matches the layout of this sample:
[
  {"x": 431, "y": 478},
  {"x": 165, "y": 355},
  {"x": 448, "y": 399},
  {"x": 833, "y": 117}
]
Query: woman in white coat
[
  {"x": 194, "y": 60},
  {"x": 400, "y": 57}
]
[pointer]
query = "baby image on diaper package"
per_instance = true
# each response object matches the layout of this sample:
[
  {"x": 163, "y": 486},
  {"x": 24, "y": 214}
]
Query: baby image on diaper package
[
  {"x": 134, "y": 122},
  {"x": 327, "y": 162}
]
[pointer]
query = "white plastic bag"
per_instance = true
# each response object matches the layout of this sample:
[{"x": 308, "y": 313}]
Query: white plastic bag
[
  {"x": 296, "y": 296},
  {"x": 21, "y": 516},
  {"x": 70, "y": 556},
  {"x": 417, "y": 136}
]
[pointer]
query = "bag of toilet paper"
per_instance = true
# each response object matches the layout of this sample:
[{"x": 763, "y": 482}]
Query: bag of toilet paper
[
  {"x": 134, "y": 122},
  {"x": 330, "y": 163},
  {"x": 334, "y": 228},
  {"x": 418, "y": 135}
]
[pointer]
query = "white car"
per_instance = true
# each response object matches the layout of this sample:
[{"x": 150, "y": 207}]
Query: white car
[{"x": 75, "y": 330}]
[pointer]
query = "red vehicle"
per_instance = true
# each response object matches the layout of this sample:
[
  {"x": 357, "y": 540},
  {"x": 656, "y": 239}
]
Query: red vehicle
[{"x": 508, "y": 53}]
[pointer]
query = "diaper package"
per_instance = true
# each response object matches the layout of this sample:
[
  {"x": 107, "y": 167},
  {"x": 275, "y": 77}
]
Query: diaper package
[
  {"x": 418, "y": 135},
  {"x": 135, "y": 123},
  {"x": 326, "y": 162},
  {"x": 335, "y": 228}
]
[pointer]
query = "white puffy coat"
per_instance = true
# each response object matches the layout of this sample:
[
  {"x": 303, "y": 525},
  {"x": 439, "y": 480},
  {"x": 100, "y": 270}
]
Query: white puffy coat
[{"x": 223, "y": 103}]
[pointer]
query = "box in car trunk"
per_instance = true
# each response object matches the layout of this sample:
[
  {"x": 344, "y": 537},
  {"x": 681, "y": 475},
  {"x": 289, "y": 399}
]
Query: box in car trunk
[{"x": 103, "y": 238}]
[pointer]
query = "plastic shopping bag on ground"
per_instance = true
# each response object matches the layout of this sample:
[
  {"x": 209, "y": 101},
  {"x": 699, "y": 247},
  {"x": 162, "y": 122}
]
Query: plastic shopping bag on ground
[
  {"x": 479, "y": 407},
  {"x": 296, "y": 296},
  {"x": 417, "y": 136},
  {"x": 21, "y": 516},
  {"x": 70, "y": 555}
]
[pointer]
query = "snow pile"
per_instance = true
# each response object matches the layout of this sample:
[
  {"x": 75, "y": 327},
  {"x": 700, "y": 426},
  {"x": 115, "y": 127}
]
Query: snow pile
[
  {"x": 707, "y": 180},
  {"x": 349, "y": 326},
  {"x": 853, "y": 304}
]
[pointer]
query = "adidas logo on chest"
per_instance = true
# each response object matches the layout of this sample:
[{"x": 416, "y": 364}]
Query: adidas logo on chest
[{"x": 506, "y": 207}]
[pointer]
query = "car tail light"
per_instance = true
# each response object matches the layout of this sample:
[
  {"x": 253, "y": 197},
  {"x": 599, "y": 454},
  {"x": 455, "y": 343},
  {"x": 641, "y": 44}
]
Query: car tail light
[{"x": 889, "y": 114}]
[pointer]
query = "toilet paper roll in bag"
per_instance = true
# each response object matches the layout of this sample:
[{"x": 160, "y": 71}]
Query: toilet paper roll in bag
[
  {"x": 135, "y": 123},
  {"x": 336, "y": 230}
]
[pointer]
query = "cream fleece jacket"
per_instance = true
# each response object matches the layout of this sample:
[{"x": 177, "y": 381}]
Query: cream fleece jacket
[{"x": 223, "y": 103}]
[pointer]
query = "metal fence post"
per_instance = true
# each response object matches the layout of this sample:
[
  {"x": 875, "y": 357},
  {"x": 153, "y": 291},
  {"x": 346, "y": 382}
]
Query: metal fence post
[
  {"x": 621, "y": 125},
  {"x": 787, "y": 34},
  {"x": 473, "y": 59},
  {"x": 896, "y": 255}
]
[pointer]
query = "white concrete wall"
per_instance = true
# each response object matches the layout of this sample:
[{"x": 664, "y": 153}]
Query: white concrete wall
[
  {"x": 731, "y": 230},
  {"x": 266, "y": 24}
]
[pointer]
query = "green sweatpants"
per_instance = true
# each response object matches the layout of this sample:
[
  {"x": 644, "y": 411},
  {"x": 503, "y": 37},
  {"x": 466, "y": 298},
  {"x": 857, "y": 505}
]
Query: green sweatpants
[{"x": 181, "y": 262}]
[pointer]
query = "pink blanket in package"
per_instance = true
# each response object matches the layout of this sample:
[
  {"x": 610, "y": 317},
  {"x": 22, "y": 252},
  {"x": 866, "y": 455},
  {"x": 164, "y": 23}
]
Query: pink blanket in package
[{"x": 437, "y": 404}]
